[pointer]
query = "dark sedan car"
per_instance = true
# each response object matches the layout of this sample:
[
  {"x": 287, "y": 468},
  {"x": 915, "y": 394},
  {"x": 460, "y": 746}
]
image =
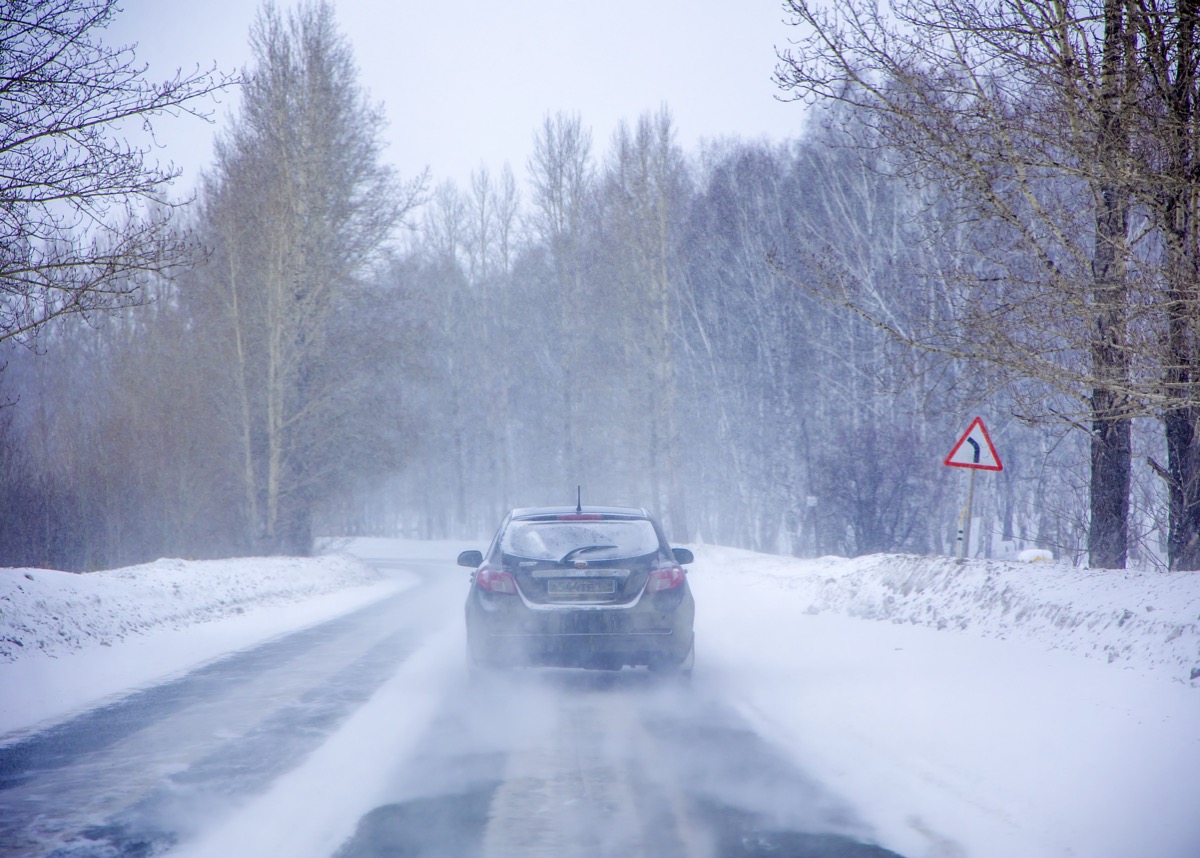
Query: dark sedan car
[{"x": 591, "y": 587}]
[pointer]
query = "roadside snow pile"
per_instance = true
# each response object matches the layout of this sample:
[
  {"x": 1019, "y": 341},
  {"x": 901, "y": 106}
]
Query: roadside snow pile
[
  {"x": 1141, "y": 620},
  {"x": 50, "y": 612}
]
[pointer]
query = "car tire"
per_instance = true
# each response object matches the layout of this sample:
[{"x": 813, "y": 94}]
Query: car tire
[{"x": 681, "y": 669}]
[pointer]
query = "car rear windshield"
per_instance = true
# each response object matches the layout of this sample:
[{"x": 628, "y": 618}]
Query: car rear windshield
[{"x": 563, "y": 541}]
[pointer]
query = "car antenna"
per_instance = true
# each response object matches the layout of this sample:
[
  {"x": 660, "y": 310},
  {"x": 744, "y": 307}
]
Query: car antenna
[{"x": 578, "y": 499}]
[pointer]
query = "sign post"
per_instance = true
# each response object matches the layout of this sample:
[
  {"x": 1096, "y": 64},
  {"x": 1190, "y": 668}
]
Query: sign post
[{"x": 975, "y": 451}]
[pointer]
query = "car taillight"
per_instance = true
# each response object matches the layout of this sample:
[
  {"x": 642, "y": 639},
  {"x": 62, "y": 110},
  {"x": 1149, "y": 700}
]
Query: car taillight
[
  {"x": 664, "y": 578},
  {"x": 496, "y": 580}
]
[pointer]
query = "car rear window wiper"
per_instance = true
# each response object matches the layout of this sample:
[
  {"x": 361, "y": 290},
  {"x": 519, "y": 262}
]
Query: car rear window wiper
[{"x": 581, "y": 549}]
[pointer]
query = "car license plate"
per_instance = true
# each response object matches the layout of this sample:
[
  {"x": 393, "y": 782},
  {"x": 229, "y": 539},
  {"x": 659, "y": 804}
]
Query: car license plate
[{"x": 580, "y": 586}]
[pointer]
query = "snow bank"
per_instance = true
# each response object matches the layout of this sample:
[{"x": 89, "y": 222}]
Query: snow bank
[
  {"x": 50, "y": 612},
  {"x": 70, "y": 642},
  {"x": 1147, "y": 621},
  {"x": 989, "y": 709}
]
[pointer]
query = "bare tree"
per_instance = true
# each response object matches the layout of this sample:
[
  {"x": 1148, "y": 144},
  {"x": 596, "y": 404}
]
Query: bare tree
[
  {"x": 83, "y": 212},
  {"x": 647, "y": 186},
  {"x": 493, "y": 206},
  {"x": 447, "y": 231},
  {"x": 1019, "y": 112},
  {"x": 747, "y": 333},
  {"x": 300, "y": 206},
  {"x": 560, "y": 172},
  {"x": 1167, "y": 143}
]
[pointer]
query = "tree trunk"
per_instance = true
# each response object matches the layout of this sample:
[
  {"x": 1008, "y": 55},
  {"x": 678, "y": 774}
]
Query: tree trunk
[
  {"x": 1183, "y": 468},
  {"x": 1108, "y": 533},
  {"x": 1180, "y": 228}
]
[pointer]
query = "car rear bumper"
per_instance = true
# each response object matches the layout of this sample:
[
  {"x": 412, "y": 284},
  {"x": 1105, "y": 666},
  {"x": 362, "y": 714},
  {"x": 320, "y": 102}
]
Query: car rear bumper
[{"x": 652, "y": 633}]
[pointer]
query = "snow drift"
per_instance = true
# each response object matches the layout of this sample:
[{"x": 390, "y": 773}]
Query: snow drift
[
  {"x": 1148, "y": 621},
  {"x": 51, "y": 613}
]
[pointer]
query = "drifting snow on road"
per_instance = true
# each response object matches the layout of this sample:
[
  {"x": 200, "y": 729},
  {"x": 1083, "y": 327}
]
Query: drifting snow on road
[
  {"x": 363, "y": 736},
  {"x": 567, "y": 764},
  {"x": 856, "y": 708}
]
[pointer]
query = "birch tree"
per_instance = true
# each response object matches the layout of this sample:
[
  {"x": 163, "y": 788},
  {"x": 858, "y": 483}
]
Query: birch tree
[
  {"x": 493, "y": 207},
  {"x": 746, "y": 334},
  {"x": 561, "y": 179},
  {"x": 647, "y": 191},
  {"x": 299, "y": 205}
]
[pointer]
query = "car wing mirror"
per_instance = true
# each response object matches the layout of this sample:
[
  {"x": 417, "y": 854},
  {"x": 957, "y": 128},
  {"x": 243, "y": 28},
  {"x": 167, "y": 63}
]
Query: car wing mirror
[
  {"x": 683, "y": 556},
  {"x": 470, "y": 558}
]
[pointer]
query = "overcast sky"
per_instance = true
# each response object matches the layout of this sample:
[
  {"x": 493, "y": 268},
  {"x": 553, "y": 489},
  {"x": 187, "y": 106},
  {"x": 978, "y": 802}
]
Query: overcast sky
[{"x": 467, "y": 83}]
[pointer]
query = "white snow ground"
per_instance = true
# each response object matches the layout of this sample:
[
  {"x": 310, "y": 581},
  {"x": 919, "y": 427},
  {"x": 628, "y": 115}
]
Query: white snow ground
[{"x": 983, "y": 710}]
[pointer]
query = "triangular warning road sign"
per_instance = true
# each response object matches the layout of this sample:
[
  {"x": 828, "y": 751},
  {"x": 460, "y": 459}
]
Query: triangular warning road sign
[{"x": 975, "y": 449}]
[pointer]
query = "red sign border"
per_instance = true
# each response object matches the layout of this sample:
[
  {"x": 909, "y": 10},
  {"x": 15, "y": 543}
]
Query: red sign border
[{"x": 978, "y": 421}]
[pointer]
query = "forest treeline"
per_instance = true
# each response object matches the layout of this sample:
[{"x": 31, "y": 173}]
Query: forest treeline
[{"x": 772, "y": 345}]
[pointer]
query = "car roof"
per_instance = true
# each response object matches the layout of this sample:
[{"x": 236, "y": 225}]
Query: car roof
[{"x": 614, "y": 511}]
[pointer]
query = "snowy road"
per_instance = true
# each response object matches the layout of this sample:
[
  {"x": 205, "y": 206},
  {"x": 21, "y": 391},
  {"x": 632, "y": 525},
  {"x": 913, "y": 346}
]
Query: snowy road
[
  {"x": 305, "y": 707},
  {"x": 559, "y": 764},
  {"x": 136, "y": 775},
  {"x": 363, "y": 736}
]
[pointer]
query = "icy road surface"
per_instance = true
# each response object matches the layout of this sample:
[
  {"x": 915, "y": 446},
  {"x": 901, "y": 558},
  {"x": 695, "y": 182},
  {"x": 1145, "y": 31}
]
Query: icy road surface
[
  {"x": 364, "y": 736},
  {"x": 567, "y": 764}
]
